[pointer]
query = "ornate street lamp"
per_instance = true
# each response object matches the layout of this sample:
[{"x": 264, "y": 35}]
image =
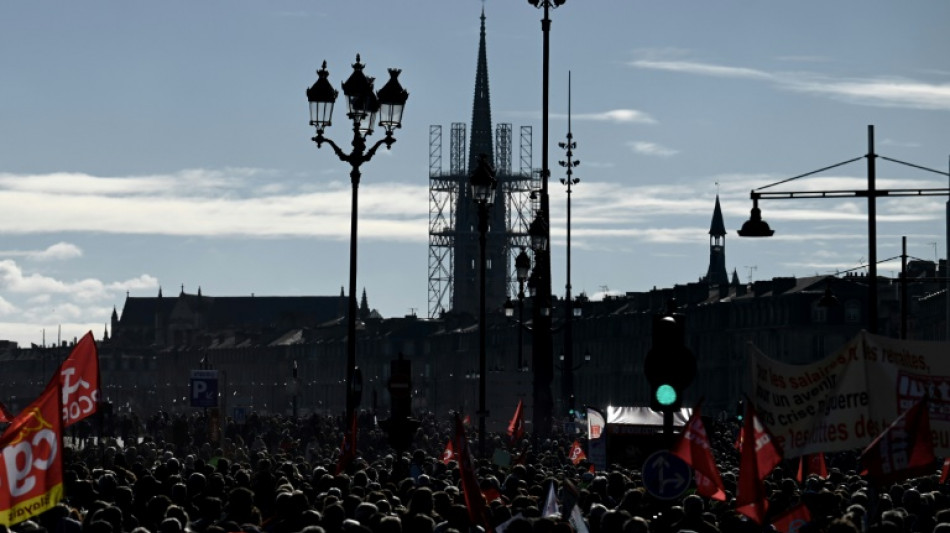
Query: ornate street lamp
[
  {"x": 483, "y": 185},
  {"x": 363, "y": 106},
  {"x": 522, "y": 271},
  {"x": 569, "y": 163},
  {"x": 542, "y": 356}
]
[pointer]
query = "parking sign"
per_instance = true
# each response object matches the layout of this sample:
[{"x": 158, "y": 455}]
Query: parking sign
[{"x": 204, "y": 388}]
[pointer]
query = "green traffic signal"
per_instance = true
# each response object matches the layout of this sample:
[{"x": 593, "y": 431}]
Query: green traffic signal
[{"x": 665, "y": 395}]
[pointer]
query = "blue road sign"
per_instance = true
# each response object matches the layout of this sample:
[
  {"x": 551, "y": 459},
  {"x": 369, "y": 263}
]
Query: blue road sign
[
  {"x": 204, "y": 388},
  {"x": 665, "y": 476}
]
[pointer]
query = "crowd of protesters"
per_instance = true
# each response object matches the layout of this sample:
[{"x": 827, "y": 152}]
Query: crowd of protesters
[{"x": 272, "y": 474}]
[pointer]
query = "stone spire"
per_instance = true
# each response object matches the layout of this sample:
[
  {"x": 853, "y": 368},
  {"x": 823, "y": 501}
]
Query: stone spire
[
  {"x": 481, "y": 135},
  {"x": 716, "y": 274}
]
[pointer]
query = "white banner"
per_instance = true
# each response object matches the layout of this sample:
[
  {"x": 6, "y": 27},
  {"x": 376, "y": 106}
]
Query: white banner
[{"x": 843, "y": 401}]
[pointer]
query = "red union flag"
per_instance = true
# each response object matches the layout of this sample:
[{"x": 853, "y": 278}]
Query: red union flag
[
  {"x": 693, "y": 448},
  {"x": 792, "y": 520},
  {"x": 577, "y": 453},
  {"x": 516, "y": 426},
  {"x": 474, "y": 500},
  {"x": 759, "y": 456},
  {"x": 31, "y": 469},
  {"x": 448, "y": 455},
  {"x": 903, "y": 450},
  {"x": 78, "y": 379}
]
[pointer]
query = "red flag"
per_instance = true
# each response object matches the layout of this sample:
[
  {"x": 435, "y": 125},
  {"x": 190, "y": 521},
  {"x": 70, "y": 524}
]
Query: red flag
[
  {"x": 760, "y": 455},
  {"x": 78, "y": 379},
  {"x": 945, "y": 471},
  {"x": 448, "y": 454},
  {"x": 516, "y": 426},
  {"x": 474, "y": 501},
  {"x": 5, "y": 414},
  {"x": 577, "y": 453},
  {"x": 31, "y": 469},
  {"x": 467, "y": 421},
  {"x": 693, "y": 448},
  {"x": 793, "y": 519},
  {"x": 903, "y": 450},
  {"x": 813, "y": 463},
  {"x": 348, "y": 447}
]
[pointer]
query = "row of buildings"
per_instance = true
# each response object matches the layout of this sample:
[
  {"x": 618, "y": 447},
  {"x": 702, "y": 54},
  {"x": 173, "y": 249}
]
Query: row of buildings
[{"x": 259, "y": 344}]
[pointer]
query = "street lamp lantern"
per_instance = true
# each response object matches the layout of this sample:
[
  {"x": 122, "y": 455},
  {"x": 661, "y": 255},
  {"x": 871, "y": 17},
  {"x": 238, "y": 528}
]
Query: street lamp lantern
[
  {"x": 392, "y": 102},
  {"x": 362, "y": 103},
  {"x": 483, "y": 182},
  {"x": 538, "y": 233},
  {"x": 483, "y": 185},
  {"x": 755, "y": 226},
  {"x": 321, "y": 96},
  {"x": 509, "y": 307},
  {"x": 522, "y": 266}
]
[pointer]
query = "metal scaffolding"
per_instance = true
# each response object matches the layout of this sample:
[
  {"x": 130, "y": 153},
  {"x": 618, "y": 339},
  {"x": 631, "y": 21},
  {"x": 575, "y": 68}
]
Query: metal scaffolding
[{"x": 444, "y": 190}]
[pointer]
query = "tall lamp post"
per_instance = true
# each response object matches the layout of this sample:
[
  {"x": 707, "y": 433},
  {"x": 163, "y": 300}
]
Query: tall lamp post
[
  {"x": 363, "y": 107},
  {"x": 756, "y": 227},
  {"x": 569, "y": 163},
  {"x": 542, "y": 354},
  {"x": 483, "y": 185}
]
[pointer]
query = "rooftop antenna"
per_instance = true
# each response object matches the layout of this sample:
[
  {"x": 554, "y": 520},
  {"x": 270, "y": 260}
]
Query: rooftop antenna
[{"x": 751, "y": 269}]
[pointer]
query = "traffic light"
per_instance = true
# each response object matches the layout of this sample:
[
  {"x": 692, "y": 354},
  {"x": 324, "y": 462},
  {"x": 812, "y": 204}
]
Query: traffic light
[{"x": 669, "y": 366}]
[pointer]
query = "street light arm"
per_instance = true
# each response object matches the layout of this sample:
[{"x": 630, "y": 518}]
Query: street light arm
[
  {"x": 805, "y": 175},
  {"x": 388, "y": 140},
  {"x": 844, "y": 193},
  {"x": 320, "y": 139}
]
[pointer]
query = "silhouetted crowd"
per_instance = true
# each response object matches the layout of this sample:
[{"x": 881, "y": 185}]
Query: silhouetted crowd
[{"x": 277, "y": 475}]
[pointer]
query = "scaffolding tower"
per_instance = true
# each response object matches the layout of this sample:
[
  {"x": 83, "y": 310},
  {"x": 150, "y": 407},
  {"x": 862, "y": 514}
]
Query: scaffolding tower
[{"x": 515, "y": 188}]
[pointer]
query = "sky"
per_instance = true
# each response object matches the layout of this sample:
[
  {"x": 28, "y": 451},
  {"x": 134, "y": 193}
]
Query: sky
[{"x": 148, "y": 145}]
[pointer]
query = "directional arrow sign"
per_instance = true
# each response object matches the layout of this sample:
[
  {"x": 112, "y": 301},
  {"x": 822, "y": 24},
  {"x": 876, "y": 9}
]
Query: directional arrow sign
[{"x": 665, "y": 476}]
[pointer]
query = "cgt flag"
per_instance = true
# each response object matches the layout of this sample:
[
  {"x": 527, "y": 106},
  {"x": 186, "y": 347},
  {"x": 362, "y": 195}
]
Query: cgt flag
[
  {"x": 31, "y": 469},
  {"x": 78, "y": 379},
  {"x": 792, "y": 520},
  {"x": 812, "y": 463},
  {"x": 474, "y": 500},
  {"x": 759, "y": 456},
  {"x": 577, "y": 453},
  {"x": 348, "y": 450},
  {"x": 904, "y": 450},
  {"x": 516, "y": 426},
  {"x": 448, "y": 454},
  {"x": 693, "y": 448}
]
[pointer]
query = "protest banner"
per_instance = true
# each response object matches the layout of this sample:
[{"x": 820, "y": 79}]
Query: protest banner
[{"x": 844, "y": 401}]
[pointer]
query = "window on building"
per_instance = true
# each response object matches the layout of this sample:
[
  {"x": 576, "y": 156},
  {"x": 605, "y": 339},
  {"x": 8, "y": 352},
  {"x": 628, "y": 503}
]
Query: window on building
[{"x": 819, "y": 314}]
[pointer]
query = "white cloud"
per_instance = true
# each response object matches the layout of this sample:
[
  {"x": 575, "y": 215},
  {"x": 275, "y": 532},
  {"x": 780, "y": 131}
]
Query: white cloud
[
  {"x": 7, "y": 308},
  {"x": 206, "y": 203},
  {"x": 880, "y": 91},
  {"x": 614, "y": 115},
  {"x": 56, "y": 252},
  {"x": 650, "y": 148}
]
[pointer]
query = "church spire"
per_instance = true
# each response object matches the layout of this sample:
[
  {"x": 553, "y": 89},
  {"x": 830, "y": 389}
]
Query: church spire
[
  {"x": 717, "y": 228},
  {"x": 716, "y": 274},
  {"x": 481, "y": 135}
]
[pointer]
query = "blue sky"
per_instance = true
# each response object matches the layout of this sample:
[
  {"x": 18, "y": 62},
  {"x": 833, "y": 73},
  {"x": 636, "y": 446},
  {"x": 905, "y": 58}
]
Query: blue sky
[{"x": 161, "y": 144}]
